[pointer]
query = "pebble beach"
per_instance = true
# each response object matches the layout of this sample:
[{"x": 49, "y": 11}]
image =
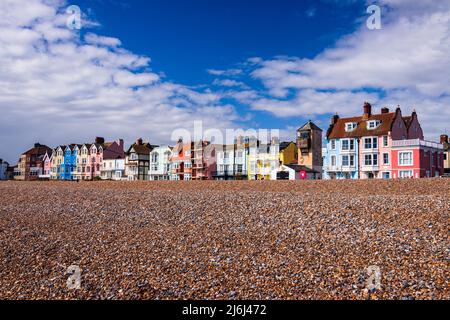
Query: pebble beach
[{"x": 225, "y": 240}]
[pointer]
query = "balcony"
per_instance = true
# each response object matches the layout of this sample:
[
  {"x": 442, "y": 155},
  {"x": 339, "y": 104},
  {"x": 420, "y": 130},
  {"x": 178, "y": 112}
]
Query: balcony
[
  {"x": 372, "y": 168},
  {"x": 416, "y": 143},
  {"x": 341, "y": 168}
]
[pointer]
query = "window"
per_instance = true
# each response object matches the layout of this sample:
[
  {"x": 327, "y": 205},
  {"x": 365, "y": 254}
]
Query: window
[
  {"x": 187, "y": 153},
  {"x": 445, "y": 156},
  {"x": 345, "y": 161},
  {"x": 373, "y": 124},
  {"x": 333, "y": 144},
  {"x": 352, "y": 161},
  {"x": 350, "y": 126},
  {"x": 371, "y": 143},
  {"x": 385, "y": 141},
  {"x": 348, "y": 144},
  {"x": 188, "y": 165},
  {"x": 187, "y": 177},
  {"x": 155, "y": 157},
  {"x": 386, "y": 175},
  {"x": 239, "y": 168},
  {"x": 239, "y": 154},
  {"x": 385, "y": 158},
  {"x": 226, "y": 155},
  {"x": 405, "y": 159},
  {"x": 405, "y": 174},
  {"x": 371, "y": 160},
  {"x": 333, "y": 161}
]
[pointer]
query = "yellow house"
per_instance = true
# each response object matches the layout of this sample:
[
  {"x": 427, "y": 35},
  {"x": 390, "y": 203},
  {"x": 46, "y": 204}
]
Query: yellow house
[
  {"x": 262, "y": 160},
  {"x": 288, "y": 153}
]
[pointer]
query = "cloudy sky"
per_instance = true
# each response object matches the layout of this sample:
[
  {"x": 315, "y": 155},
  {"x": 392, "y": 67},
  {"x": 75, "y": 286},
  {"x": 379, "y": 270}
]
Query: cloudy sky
[{"x": 146, "y": 68}]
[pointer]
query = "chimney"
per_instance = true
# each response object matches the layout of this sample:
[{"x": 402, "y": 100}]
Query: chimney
[
  {"x": 139, "y": 142},
  {"x": 385, "y": 110},
  {"x": 444, "y": 138},
  {"x": 99, "y": 140},
  {"x": 334, "y": 119},
  {"x": 367, "y": 110},
  {"x": 120, "y": 143}
]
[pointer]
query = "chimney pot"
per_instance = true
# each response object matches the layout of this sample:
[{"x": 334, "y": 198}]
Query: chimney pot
[
  {"x": 444, "y": 138},
  {"x": 99, "y": 140},
  {"x": 367, "y": 110},
  {"x": 334, "y": 119},
  {"x": 139, "y": 142},
  {"x": 385, "y": 110}
]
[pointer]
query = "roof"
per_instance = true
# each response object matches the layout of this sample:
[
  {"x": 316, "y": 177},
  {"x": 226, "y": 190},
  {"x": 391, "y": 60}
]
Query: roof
[
  {"x": 338, "y": 130},
  {"x": 144, "y": 148},
  {"x": 309, "y": 126},
  {"x": 38, "y": 150},
  {"x": 299, "y": 168},
  {"x": 284, "y": 145}
]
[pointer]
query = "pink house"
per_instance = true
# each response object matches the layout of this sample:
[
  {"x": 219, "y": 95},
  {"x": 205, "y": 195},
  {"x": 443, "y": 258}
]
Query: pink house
[
  {"x": 47, "y": 166},
  {"x": 417, "y": 158},
  {"x": 95, "y": 158},
  {"x": 381, "y": 145}
]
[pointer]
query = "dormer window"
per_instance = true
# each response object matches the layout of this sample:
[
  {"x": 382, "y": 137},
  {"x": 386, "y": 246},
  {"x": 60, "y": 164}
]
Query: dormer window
[
  {"x": 350, "y": 126},
  {"x": 373, "y": 124}
]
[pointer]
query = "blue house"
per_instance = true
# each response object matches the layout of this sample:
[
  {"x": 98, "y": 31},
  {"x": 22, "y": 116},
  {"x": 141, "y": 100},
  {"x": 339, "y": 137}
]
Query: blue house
[
  {"x": 70, "y": 162},
  {"x": 341, "y": 159}
]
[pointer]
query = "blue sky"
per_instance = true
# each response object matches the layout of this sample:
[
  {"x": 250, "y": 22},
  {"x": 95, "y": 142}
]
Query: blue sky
[
  {"x": 185, "y": 38},
  {"x": 148, "y": 68}
]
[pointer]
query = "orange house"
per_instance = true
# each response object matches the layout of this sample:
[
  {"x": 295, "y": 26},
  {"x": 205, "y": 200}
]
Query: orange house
[{"x": 181, "y": 161}]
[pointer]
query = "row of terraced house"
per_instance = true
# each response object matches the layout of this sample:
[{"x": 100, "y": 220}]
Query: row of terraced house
[{"x": 385, "y": 145}]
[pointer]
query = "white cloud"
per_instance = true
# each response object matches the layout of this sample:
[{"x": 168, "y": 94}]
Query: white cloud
[
  {"x": 229, "y": 83},
  {"x": 226, "y": 73},
  {"x": 57, "y": 88},
  {"x": 92, "y": 38}
]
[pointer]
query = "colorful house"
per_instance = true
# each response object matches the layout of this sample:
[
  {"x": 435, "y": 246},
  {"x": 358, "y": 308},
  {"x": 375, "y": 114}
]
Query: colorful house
[
  {"x": 288, "y": 153},
  {"x": 137, "y": 160},
  {"x": 367, "y": 146},
  {"x": 113, "y": 164},
  {"x": 160, "y": 163},
  {"x": 83, "y": 169},
  {"x": 31, "y": 163},
  {"x": 309, "y": 144},
  {"x": 93, "y": 170},
  {"x": 57, "y": 171},
  {"x": 232, "y": 160},
  {"x": 70, "y": 162},
  {"x": 263, "y": 159},
  {"x": 47, "y": 166},
  {"x": 181, "y": 162},
  {"x": 416, "y": 158}
]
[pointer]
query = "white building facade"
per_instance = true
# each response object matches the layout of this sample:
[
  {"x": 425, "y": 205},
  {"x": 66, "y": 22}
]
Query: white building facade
[
  {"x": 113, "y": 169},
  {"x": 160, "y": 163}
]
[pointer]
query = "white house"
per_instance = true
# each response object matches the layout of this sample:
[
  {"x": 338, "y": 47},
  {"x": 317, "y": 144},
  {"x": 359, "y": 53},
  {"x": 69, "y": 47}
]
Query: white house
[
  {"x": 294, "y": 172},
  {"x": 160, "y": 163},
  {"x": 113, "y": 169}
]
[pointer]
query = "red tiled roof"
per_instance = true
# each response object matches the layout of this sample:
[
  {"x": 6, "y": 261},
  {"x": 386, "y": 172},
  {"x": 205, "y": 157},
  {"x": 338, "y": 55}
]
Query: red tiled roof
[{"x": 338, "y": 130}]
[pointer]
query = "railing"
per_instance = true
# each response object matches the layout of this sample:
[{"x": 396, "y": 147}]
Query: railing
[
  {"x": 417, "y": 143},
  {"x": 229, "y": 173}
]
